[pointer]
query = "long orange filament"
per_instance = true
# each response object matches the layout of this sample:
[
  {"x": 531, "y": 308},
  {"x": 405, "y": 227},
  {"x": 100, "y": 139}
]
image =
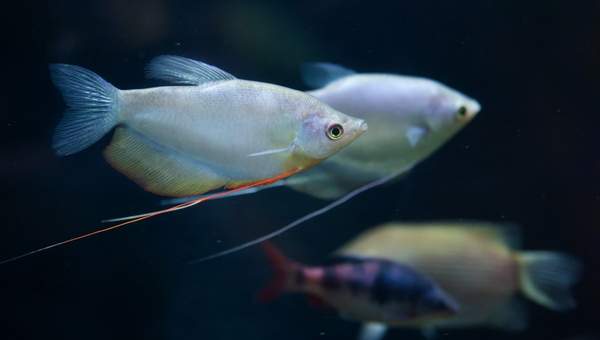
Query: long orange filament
[{"x": 177, "y": 207}]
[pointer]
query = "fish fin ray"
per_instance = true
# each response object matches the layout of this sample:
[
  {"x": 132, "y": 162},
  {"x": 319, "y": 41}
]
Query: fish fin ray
[
  {"x": 415, "y": 134},
  {"x": 316, "y": 75},
  {"x": 180, "y": 70},
  {"x": 320, "y": 182},
  {"x": 546, "y": 278},
  {"x": 136, "y": 219},
  {"x": 282, "y": 266},
  {"x": 328, "y": 181},
  {"x": 267, "y": 184},
  {"x": 158, "y": 169},
  {"x": 92, "y": 113},
  {"x": 270, "y": 152},
  {"x": 247, "y": 191}
]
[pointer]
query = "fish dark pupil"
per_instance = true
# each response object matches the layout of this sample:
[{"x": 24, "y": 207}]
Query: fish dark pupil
[{"x": 335, "y": 131}]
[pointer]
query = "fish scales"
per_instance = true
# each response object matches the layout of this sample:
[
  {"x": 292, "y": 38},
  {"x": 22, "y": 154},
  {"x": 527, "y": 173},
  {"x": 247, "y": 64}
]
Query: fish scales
[
  {"x": 410, "y": 118},
  {"x": 224, "y": 119},
  {"x": 186, "y": 140}
]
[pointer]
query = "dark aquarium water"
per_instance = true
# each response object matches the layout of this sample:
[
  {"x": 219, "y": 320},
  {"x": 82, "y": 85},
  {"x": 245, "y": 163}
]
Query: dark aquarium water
[{"x": 530, "y": 157}]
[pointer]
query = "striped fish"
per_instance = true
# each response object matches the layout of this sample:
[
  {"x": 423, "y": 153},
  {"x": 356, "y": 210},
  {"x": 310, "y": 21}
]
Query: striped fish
[{"x": 367, "y": 289}]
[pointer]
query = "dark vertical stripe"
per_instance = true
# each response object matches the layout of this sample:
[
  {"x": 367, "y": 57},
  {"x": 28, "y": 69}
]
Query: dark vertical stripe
[
  {"x": 330, "y": 281},
  {"x": 383, "y": 283},
  {"x": 357, "y": 283},
  {"x": 355, "y": 287}
]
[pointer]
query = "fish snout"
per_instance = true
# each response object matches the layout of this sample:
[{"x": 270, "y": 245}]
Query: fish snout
[
  {"x": 473, "y": 108},
  {"x": 356, "y": 127},
  {"x": 363, "y": 126}
]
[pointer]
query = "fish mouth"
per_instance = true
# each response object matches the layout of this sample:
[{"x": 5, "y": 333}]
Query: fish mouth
[
  {"x": 363, "y": 127},
  {"x": 475, "y": 107}
]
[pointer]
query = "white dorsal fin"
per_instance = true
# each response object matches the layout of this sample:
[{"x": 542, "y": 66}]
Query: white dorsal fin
[
  {"x": 317, "y": 75},
  {"x": 182, "y": 70}
]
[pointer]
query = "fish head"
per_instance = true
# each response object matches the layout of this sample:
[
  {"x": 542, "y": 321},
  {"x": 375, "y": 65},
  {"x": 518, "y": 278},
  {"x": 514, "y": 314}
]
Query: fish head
[
  {"x": 437, "y": 303},
  {"x": 449, "y": 111},
  {"x": 325, "y": 132}
]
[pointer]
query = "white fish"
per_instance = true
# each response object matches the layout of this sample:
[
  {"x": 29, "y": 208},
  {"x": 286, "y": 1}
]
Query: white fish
[
  {"x": 409, "y": 118},
  {"x": 186, "y": 140},
  {"x": 478, "y": 265}
]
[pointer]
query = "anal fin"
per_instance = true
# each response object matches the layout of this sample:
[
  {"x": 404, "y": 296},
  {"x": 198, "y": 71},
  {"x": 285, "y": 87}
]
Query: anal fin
[{"x": 158, "y": 169}]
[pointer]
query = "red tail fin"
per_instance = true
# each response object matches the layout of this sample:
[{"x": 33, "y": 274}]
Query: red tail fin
[{"x": 279, "y": 283}]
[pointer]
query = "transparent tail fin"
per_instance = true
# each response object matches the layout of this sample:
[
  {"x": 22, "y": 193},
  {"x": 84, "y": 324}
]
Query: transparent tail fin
[
  {"x": 92, "y": 113},
  {"x": 547, "y": 277}
]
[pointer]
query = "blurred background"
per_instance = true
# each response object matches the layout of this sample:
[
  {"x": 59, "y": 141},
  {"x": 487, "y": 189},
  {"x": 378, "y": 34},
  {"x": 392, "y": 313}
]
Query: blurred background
[{"x": 529, "y": 157}]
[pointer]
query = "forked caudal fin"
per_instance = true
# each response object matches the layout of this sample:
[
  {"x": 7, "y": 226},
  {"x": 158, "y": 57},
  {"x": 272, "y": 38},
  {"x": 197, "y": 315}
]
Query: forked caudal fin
[
  {"x": 282, "y": 267},
  {"x": 93, "y": 108},
  {"x": 175, "y": 208}
]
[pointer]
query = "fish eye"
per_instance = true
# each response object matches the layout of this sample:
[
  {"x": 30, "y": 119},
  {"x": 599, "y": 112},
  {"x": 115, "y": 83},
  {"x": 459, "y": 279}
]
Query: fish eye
[
  {"x": 335, "y": 131},
  {"x": 461, "y": 113}
]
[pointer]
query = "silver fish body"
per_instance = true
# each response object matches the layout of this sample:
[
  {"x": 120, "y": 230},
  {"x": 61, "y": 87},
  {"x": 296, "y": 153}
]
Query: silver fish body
[
  {"x": 218, "y": 124},
  {"x": 186, "y": 140},
  {"x": 409, "y": 118}
]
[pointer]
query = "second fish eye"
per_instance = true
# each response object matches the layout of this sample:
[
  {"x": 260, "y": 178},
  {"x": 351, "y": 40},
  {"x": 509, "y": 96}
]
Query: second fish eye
[
  {"x": 335, "y": 131},
  {"x": 461, "y": 113}
]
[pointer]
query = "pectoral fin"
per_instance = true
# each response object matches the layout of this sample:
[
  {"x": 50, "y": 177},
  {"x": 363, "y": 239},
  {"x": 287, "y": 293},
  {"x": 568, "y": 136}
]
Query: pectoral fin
[
  {"x": 415, "y": 134},
  {"x": 270, "y": 152}
]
